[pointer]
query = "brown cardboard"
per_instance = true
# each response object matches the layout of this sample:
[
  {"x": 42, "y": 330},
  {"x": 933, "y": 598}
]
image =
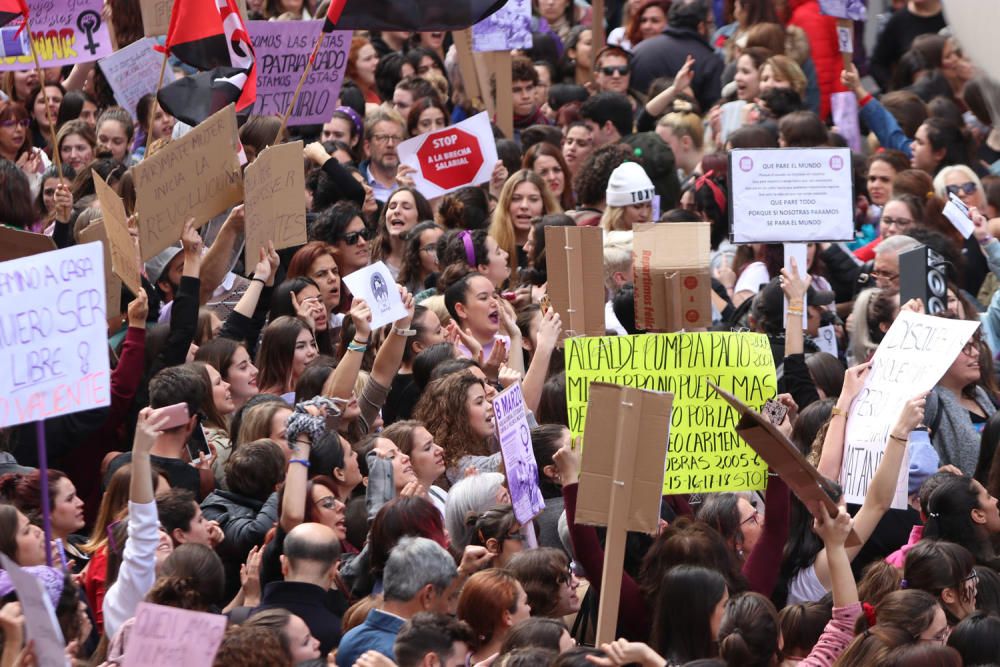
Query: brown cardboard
[
  {"x": 621, "y": 480},
  {"x": 275, "y": 207},
  {"x": 625, "y": 440},
  {"x": 156, "y": 15},
  {"x": 467, "y": 66},
  {"x": 15, "y": 243},
  {"x": 783, "y": 457},
  {"x": 124, "y": 257},
  {"x": 574, "y": 258},
  {"x": 671, "y": 276},
  {"x": 112, "y": 283},
  {"x": 197, "y": 176}
]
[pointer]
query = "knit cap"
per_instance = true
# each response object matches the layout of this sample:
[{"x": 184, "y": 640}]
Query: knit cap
[{"x": 629, "y": 185}]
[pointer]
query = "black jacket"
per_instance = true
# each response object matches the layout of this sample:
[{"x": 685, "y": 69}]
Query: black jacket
[
  {"x": 310, "y": 603},
  {"x": 665, "y": 54},
  {"x": 245, "y": 521}
]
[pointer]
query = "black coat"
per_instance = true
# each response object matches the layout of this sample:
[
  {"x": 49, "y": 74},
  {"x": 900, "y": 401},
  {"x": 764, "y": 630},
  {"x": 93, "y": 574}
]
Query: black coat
[{"x": 665, "y": 54}]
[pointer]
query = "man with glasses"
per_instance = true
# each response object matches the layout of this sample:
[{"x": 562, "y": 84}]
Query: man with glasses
[
  {"x": 612, "y": 70},
  {"x": 886, "y": 273},
  {"x": 384, "y": 131}
]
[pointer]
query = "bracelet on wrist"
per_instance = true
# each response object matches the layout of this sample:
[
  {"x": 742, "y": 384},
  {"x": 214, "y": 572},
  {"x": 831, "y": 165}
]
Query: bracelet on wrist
[
  {"x": 794, "y": 312},
  {"x": 255, "y": 279},
  {"x": 356, "y": 347},
  {"x": 360, "y": 342},
  {"x": 893, "y": 436},
  {"x": 303, "y": 462},
  {"x": 405, "y": 333},
  {"x": 837, "y": 412}
]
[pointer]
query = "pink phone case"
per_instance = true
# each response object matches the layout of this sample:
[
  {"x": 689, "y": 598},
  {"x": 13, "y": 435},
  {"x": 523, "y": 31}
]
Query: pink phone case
[{"x": 177, "y": 415}]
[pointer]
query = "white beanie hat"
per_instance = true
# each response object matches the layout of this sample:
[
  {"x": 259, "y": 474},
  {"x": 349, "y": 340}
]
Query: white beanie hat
[{"x": 628, "y": 185}]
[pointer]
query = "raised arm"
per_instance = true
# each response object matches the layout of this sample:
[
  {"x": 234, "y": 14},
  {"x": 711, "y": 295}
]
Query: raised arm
[
  {"x": 340, "y": 384},
  {"x": 545, "y": 342},
  {"x": 832, "y": 457},
  {"x": 219, "y": 258},
  {"x": 390, "y": 354}
]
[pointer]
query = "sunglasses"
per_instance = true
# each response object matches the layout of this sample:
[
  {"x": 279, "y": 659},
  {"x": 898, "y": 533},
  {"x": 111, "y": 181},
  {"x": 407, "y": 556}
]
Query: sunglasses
[
  {"x": 967, "y": 188},
  {"x": 614, "y": 69},
  {"x": 354, "y": 237}
]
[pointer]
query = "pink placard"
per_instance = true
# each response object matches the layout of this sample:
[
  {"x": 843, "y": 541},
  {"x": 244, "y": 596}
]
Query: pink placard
[{"x": 168, "y": 637}]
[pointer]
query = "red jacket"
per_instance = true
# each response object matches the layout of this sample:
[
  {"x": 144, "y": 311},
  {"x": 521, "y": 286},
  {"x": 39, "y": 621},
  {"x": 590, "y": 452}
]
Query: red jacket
[{"x": 822, "y": 33}]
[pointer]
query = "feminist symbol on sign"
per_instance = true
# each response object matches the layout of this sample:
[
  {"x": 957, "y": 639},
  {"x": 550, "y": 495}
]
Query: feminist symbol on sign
[{"x": 88, "y": 23}]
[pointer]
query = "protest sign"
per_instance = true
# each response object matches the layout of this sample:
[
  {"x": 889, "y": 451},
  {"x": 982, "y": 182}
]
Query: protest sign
[
  {"x": 446, "y": 160},
  {"x": 844, "y": 107},
  {"x": 575, "y": 260},
  {"x": 844, "y": 9},
  {"x": 40, "y": 623},
  {"x": 169, "y": 636},
  {"x": 124, "y": 257},
  {"x": 671, "y": 276},
  {"x": 132, "y": 72},
  {"x": 519, "y": 464},
  {"x": 958, "y": 215},
  {"x": 784, "y": 458},
  {"x": 705, "y": 455},
  {"x": 915, "y": 353},
  {"x": 282, "y": 49},
  {"x": 156, "y": 15},
  {"x": 63, "y": 32},
  {"x": 53, "y": 335},
  {"x": 923, "y": 275},
  {"x": 973, "y": 25},
  {"x": 621, "y": 478},
  {"x": 97, "y": 233},
  {"x": 15, "y": 243},
  {"x": 509, "y": 28},
  {"x": 378, "y": 288},
  {"x": 791, "y": 195},
  {"x": 826, "y": 340},
  {"x": 197, "y": 176},
  {"x": 275, "y": 210}
]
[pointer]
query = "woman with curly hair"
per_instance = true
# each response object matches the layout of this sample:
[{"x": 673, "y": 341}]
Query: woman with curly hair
[
  {"x": 456, "y": 412},
  {"x": 420, "y": 259},
  {"x": 524, "y": 198},
  {"x": 403, "y": 210},
  {"x": 548, "y": 162}
]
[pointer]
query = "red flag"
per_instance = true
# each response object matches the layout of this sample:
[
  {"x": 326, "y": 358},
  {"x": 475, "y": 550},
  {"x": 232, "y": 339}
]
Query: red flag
[
  {"x": 11, "y": 9},
  {"x": 209, "y": 35},
  {"x": 333, "y": 14}
]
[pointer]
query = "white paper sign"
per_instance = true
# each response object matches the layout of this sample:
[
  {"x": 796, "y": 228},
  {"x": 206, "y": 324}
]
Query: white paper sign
[
  {"x": 40, "y": 623},
  {"x": 784, "y": 195},
  {"x": 826, "y": 340},
  {"x": 915, "y": 353},
  {"x": 958, "y": 215},
  {"x": 133, "y": 72},
  {"x": 378, "y": 288},
  {"x": 53, "y": 334},
  {"x": 446, "y": 160},
  {"x": 845, "y": 38},
  {"x": 800, "y": 253},
  {"x": 514, "y": 436}
]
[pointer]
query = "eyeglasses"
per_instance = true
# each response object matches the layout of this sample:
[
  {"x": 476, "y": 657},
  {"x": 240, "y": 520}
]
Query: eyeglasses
[
  {"x": 884, "y": 275},
  {"x": 430, "y": 248},
  {"x": 611, "y": 70},
  {"x": 966, "y": 188},
  {"x": 327, "y": 502},
  {"x": 386, "y": 138},
  {"x": 354, "y": 237},
  {"x": 971, "y": 349},
  {"x": 24, "y": 122},
  {"x": 755, "y": 517},
  {"x": 899, "y": 223},
  {"x": 566, "y": 577},
  {"x": 514, "y": 537}
]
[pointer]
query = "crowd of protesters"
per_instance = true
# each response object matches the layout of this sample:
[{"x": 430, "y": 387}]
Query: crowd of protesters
[{"x": 337, "y": 490}]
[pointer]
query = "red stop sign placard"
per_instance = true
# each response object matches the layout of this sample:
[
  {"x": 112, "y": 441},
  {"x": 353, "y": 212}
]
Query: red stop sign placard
[{"x": 450, "y": 158}]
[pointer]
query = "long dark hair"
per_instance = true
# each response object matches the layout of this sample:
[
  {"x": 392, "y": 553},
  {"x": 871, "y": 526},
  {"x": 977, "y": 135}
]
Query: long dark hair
[
  {"x": 949, "y": 518},
  {"x": 682, "y": 632},
  {"x": 749, "y": 632}
]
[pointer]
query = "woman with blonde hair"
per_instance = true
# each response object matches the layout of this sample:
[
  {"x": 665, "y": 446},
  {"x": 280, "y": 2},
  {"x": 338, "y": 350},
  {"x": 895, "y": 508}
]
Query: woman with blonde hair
[
  {"x": 961, "y": 181},
  {"x": 524, "y": 198},
  {"x": 629, "y": 198},
  {"x": 682, "y": 129},
  {"x": 780, "y": 71}
]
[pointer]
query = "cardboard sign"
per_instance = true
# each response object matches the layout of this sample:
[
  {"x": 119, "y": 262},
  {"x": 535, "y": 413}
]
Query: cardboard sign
[
  {"x": 197, "y": 176},
  {"x": 156, "y": 15},
  {"x": 133, "y": 72},
  {"x": 169, "y": 636},
  {"x": 282, "y": 49},
  {"x": 17, "y": 243},
  {"x": 844, "y": 107},
  {"x": 916, "y": 351},
  {"x": 124, "y": 256},
  {"x": 795, "y": 195},
  {"x": 96, "y": 232},
  {"x": 40, "y": 623},
  {"x": 575, "y": 261},
  {"x": 514, "y": 436},
  {"x": 275, "y": 208},
  {"x": 377, "y": 287},
  {"x": 621, "y": 478},
  {"x": 705, "y": 454},
  {"x": 63, "y": 32},
  {"x": 783, "y": 457},
  {"x": 446, "y": 160},
  {"x": 53, "y": 336},
  {"x": 844, "y": 9},
  {"x": 671, "y": 276},
  {"x": 923, "y": 274},
  {"x": 509, "y": 28}
]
